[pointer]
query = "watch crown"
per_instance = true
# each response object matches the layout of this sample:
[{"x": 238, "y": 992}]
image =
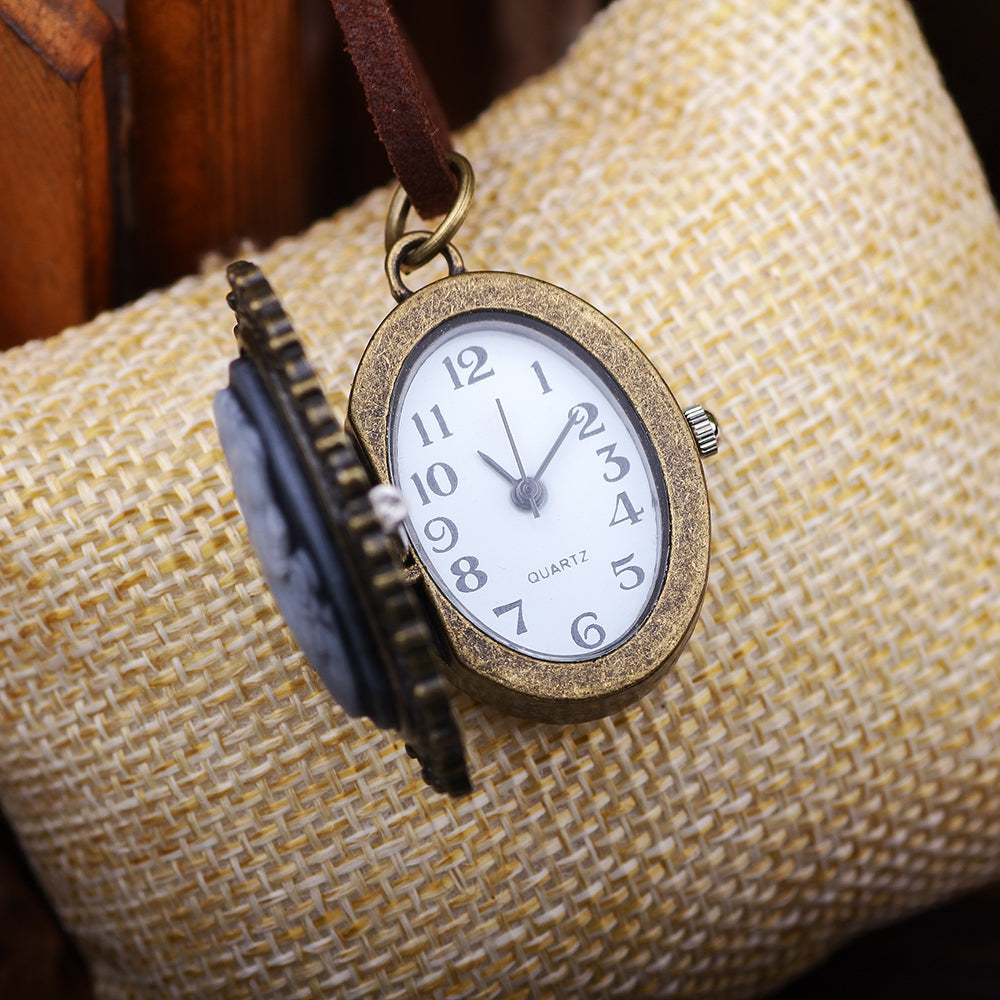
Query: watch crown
[{"x": 705, "y": 429}]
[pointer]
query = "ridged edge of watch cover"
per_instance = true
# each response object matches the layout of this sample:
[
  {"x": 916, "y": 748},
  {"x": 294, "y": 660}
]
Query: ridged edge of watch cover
[{"x": 340, "y": 485}]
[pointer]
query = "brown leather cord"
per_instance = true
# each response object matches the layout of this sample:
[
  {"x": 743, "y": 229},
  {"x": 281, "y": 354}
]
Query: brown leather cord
[{"x": 408, "y": 118}]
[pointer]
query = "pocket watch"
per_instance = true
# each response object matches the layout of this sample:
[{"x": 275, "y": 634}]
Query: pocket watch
[{"x": 547, "y": 540}]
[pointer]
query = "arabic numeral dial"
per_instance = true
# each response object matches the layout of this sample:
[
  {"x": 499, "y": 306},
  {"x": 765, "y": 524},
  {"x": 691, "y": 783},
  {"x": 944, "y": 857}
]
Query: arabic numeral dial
[{"x": 532, "y": 490}]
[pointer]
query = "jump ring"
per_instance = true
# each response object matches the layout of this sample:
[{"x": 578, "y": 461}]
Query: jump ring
[
  {"x": 449, "y": 225},
  {"x": 398, "y": 253}
]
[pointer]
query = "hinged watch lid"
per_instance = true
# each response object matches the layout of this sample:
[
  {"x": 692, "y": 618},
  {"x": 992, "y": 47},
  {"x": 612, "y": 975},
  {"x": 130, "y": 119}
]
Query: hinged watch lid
[{"x": 333, "y": 567}]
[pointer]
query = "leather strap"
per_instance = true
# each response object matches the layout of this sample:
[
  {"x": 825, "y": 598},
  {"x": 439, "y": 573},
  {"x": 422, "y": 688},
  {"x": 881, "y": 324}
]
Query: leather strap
[{"x": 408, "y": 118}]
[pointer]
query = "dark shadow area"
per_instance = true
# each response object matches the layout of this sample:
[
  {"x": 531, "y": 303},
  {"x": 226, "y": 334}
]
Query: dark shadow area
[
  {"x": 952, "y": 951},
  {"x": 964, "y": 37}
]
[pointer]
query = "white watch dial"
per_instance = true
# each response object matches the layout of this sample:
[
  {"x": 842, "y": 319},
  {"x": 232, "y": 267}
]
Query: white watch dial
[{"x": 533, "y": 501}]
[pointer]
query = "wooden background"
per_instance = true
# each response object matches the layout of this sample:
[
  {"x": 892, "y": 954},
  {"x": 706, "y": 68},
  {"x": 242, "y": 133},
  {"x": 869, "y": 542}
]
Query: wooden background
[{"x": 137, "y": 136}]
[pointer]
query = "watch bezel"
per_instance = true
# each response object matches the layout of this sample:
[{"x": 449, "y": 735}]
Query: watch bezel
[
  {"x": 554, "y": 691},
  {"x": 544, "y": 336}
]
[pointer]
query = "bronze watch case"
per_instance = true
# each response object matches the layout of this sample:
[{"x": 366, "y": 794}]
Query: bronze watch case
[{"x": 490, "y": 671}]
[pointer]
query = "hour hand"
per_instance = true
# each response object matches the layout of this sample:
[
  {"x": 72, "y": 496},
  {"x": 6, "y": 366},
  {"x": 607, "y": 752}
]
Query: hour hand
[
  {"x": 498, "y": 468},
  {"x": 525, "y": 493}
]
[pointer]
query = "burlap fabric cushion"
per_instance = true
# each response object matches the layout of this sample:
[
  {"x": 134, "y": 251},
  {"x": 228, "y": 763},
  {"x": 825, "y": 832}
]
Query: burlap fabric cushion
[{"x": 778, "y": 201}]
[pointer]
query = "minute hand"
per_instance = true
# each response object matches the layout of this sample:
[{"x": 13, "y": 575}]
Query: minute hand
[{"x": 555, "y": 447}]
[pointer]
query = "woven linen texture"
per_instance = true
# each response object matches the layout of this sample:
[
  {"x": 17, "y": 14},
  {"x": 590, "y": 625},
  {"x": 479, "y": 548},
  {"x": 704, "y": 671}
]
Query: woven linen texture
[{"x": 778, "y": 201}]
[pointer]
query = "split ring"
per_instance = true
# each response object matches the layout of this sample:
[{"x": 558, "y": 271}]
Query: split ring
[
  {"x": 435, "y": 242},
  {"x": 398, "y": 253}
]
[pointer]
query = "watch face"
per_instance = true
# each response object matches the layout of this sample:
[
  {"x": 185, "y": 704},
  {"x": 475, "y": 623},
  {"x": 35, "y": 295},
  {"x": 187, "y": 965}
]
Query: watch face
[{"x": 535, "y": 500}]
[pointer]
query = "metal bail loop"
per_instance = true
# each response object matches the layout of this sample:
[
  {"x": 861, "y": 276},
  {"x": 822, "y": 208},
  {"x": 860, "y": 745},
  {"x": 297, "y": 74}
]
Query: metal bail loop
[
  {"x": 398, "y": 253},
  {"x": 431, "y": 243}
]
